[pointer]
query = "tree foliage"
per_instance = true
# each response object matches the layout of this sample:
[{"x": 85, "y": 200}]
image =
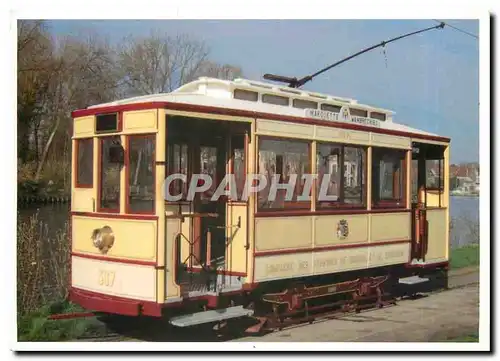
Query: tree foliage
[{"x": 57, "y": 75}]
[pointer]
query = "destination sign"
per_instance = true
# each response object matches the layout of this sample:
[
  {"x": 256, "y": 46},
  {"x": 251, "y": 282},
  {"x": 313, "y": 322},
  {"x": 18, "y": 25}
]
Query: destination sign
[
  {"x": 366, "y": 121},
  {"x": 322, "y": 114},
  {"x": 343, "y": 116}
]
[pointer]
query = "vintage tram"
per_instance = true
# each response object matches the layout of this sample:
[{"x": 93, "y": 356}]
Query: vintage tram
[{"x": 382, "y": 227}]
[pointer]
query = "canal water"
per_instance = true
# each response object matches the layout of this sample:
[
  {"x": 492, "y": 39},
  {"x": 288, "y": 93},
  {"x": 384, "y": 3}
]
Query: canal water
[{"x": 464, "y": 212}]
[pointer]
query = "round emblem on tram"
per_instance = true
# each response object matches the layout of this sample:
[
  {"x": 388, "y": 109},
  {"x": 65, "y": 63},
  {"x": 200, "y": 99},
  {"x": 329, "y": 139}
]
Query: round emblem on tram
[
  {"x": 103, "y": 239},
  {"x": 342, "y": 229},
  {"x": 345, "y": 114}
]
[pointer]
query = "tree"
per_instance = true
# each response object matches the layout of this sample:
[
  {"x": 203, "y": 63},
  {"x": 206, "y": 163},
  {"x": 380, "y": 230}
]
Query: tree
[
  {"x": 57, "y": 75},
  {"x": 214, "y": 70},
  {"x": 34, "y": 69},
  {"x": 84, "y": 76},
  {"x": 158, "y": 63}
]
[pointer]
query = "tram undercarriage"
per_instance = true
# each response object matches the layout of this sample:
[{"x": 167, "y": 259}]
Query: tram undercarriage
[{"x": 302, "y": 301}]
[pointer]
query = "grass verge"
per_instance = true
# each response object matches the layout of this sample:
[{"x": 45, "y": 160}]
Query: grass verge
[
  {"x": 36, "y": 325},
  {"x": 466, "y": 338},
  {"x": 464, "y": 256}
]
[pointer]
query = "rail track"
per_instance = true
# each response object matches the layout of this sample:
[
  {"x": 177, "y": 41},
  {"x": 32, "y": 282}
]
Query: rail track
[{"x": 120, "y": 328}]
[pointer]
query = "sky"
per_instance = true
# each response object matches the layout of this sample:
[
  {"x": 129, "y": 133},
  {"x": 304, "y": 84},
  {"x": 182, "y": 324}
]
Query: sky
[{"x": 430, "y": 80}]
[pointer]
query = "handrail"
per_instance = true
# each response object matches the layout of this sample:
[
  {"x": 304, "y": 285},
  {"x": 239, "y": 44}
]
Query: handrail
[
  {"x": 207, "y": 265},
  {"x": 191, "y": 215}
]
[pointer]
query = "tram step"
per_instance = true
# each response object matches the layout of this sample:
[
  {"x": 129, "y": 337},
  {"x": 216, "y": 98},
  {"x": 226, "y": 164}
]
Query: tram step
[
  {"x": 413, "y": 280},
  {"x": 210, "y": 316}
]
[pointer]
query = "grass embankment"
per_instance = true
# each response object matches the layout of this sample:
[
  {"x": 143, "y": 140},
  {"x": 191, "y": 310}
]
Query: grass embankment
[
  {"x": 42, "y": 285},
  {"x": 466, "y": 338},
  {"x": 466, "y": 256},
  {"x": 36, "y": 325}
]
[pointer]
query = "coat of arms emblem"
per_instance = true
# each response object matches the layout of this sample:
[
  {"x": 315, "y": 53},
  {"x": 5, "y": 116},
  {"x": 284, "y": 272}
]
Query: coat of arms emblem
[
  {"x": 344, "y": 113},
  {"x": 342, "y": 229},
  {"x": 103, "y": 239}
]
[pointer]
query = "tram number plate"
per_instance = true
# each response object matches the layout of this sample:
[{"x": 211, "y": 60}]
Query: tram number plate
[{"x": 106, "y": 278}]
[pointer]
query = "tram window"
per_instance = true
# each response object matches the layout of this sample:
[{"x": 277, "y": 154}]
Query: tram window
[
  {"x": 246, "y": 95},
  {"x": 274, "y": 99},
  {"x": 109, "y": 191},
  {"x": 85, "y": 163},
  {"x": 238, "y": 159},
  {"x": 358, "y": 112},
  {"x": 434, "y": 170},
  {"x": 377, "y": 115},
  {"x": 106, "y": 123},
  {"x": 328, "y": 163},
  {"x": 354, "y": 170},
  {"x": 345, "y": 165},
  {"x": 177, "y": 164},
  {"x": 283, "y": 158},
  {"x": 140, "y": 173},
  {"x": 304, "y": 104},
  {"x": 208, "y": 166},
  {"x": 331, "y": 108},
  {"x": 388, "y": 184}
]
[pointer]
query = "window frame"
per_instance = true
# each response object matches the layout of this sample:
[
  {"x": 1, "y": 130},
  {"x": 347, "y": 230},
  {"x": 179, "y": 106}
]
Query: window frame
[
  {"x": 128, "y": 209},
  {"x": 306, "y": 104},
  {"x": 379, "y": 116},
  {"x": 334, "y": 108},
  {"x": 77, "y": 164},
  {"x": 340, "y": 203},
  {"x": 288, "y": 206},
  {"x": 99, "y": 177},
  {"x": 353, "y": 110},
  {"x": 389, "y": 203},
  {"x": 119, "y": 123},
  {"x": 441, "y": 176},
  {"x": 246, "y": 140},
  {"x": 168, "y": 171},
  {"x": 265, "y": 96},
  {"x": 248, "y": 92}
]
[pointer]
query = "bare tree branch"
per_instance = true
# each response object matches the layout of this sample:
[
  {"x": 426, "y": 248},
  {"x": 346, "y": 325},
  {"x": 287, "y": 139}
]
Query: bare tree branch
[{"x": 158, "y": 63}]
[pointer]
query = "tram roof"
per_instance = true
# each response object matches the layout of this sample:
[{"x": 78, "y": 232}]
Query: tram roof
[{"x": 215, "y": 92}]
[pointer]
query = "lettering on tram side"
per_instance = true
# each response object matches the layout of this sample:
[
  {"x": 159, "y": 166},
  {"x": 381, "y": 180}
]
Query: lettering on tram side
[
  {"x": 326, "y": 264},
  {"x": 343, "y": 116},
  {"x": 303, "y": 265},
  {"x": 361, "y": 259},
  {"x": 106, "y": 278},
  {"x": 321, "y": 114},
  {"x": 386, "y": 256},
  {"x": 331, "y": 263},
  {"x": 366, "y": 121},
  {"x": 277, "y": 268},
  {"x": 286, "y": 268},
  {"x": 393, "y": 254},
  {"x": 376, "y": 257}
]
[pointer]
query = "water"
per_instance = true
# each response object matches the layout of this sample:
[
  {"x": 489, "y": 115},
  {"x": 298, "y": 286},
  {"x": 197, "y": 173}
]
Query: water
[{"x": 464, "y": 210}]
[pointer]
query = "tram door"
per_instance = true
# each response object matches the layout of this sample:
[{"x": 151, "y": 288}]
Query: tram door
[
  {"x": 427, "y": 176},
  {"x": 214, "y": 228},
  {"x": 209, "y": 158}
]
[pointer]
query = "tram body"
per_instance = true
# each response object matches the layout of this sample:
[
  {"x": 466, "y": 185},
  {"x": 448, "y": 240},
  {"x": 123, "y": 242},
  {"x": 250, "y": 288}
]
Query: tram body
[{"x": 136, "y": 253}]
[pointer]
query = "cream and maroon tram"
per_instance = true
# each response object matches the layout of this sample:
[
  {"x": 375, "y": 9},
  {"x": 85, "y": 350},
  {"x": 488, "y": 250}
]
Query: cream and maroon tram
[{"x": 137, "y": 252}]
